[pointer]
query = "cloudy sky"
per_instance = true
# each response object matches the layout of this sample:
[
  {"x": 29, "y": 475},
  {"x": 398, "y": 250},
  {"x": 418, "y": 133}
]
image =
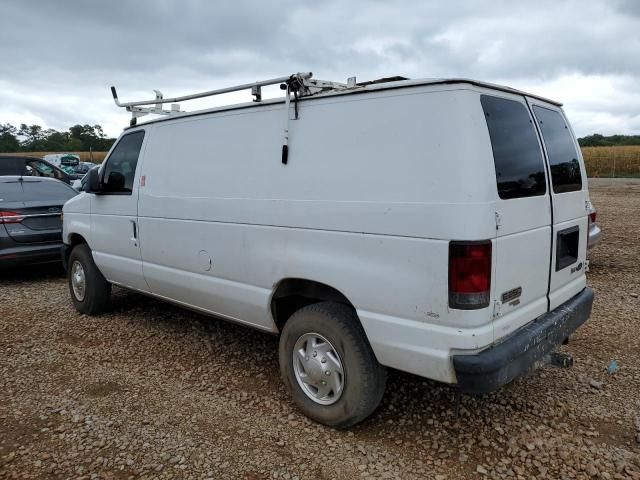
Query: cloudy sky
[{"x": 59, "y": 58}]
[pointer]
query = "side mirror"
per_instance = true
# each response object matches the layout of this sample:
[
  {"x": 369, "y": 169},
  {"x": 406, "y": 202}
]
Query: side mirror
[{"x": 93, "y": 181}]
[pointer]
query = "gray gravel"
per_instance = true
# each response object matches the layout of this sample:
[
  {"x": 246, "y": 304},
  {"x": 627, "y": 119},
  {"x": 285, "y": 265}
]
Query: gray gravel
[{"x": 153, "y": 391}]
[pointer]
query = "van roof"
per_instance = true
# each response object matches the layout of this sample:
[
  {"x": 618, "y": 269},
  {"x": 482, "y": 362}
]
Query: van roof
[{"x": 360, "y": 88}]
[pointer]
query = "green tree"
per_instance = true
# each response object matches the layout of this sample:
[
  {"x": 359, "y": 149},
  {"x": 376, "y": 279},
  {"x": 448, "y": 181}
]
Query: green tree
[
  {"x": 33, "y": 137},
  {"x": 55, "y": 141},
  {"x": 8, "y": 138},
  {"x": 598, "y": 140}
]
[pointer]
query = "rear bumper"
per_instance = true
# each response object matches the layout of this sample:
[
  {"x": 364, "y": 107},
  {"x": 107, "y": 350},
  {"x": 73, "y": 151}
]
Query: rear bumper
[
  {"x": 30, "y": 254},
  {"x": 523, "y": 351}
]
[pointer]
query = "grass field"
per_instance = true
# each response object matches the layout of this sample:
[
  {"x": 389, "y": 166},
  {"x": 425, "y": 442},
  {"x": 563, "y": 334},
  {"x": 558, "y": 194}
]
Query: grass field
[
  {"x": 600, "y": 161},
  {"x": 621, "y": 161}
]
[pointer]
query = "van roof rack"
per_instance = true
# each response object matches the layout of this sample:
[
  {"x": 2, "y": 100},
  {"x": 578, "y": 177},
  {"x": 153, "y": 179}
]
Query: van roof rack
[{"x": 300, "y": 84}]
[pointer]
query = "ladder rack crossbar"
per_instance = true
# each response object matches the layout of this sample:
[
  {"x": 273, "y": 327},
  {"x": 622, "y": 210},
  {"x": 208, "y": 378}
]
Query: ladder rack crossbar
[{"x": 245, "y": 86}]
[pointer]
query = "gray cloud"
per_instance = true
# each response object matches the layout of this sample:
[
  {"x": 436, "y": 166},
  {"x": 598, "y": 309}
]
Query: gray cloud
[{"x": 59, "y": 58}]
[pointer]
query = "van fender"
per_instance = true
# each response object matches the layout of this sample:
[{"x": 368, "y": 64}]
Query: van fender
[{"x": 292, "y": 294}]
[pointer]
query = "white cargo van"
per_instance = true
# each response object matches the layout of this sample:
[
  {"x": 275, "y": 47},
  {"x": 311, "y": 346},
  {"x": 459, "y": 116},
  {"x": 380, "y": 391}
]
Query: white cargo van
[{"x": 438, "y": 227}]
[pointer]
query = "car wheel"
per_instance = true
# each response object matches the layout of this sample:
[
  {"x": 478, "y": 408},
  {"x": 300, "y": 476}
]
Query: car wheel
[
  {"x": 90, "y": 291},
  {"x": 328, "y": 366}
]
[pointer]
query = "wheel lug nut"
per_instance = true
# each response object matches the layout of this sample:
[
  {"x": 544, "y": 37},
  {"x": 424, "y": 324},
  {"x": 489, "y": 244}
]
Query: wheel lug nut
[
  {"x": 315, "y": 354},
  {"x": 324, "y": 383},
  {"x": 327, "y": 373},
  {"x": 324, "y": 360}
]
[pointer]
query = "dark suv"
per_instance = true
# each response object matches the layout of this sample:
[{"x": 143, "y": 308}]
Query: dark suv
[
  {"x": 33, "y": 167},
  {"x": 30, "y": 219}
]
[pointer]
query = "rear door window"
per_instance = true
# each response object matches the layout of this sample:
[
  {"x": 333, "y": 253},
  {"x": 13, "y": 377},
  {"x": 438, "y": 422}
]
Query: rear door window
[
  {"x": 561, "y": 150},
  {"x": 516, "y": 152}
]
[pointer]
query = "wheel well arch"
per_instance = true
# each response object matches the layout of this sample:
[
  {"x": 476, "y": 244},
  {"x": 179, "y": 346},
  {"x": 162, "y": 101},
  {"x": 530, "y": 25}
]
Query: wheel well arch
[
  {"x": 76, "y": 239},
  {"x": 292, "y": 294}
]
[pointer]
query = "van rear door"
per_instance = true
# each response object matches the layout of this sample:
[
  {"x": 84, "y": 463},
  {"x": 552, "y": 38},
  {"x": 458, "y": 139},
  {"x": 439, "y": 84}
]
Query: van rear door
[
  {"x": 523, "y": 213},
  {"x": 569, "y": 195}
]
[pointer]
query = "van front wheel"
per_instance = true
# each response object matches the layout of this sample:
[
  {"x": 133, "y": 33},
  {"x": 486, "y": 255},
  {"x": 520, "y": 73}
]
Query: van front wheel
[
  {"x": 328, "y": 366},
  {"x": 90, "y": 291}
]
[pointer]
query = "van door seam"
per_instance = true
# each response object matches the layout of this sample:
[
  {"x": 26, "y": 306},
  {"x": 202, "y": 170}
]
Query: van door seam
[{"x": 549, "y": 193}]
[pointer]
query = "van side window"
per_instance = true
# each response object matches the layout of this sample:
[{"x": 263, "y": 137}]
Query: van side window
[
  {"x": 516, "y": 153},
  {"x": 561, "y": 150},
  {"x": 120, "y": 169}
]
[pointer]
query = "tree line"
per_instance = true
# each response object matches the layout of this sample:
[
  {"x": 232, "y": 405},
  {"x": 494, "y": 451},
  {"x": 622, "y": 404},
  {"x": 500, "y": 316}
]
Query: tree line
[
  {"x": 34, "y": 138},
  {"x": 82, "y": 138},
  {"x": 597, "y": 140}
]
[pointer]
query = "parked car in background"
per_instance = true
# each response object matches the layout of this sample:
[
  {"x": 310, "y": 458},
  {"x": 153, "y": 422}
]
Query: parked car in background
[
  {"x": 83, "y": 167},
  {"x": 79, "y": 184},
  {"x": 30, "y": 219},
  {"x": 63, "y": 159},
  {"x": 32, "y": 167},
  {"x": 68, "y": 162},
  {"x": 595, "y": 232}
]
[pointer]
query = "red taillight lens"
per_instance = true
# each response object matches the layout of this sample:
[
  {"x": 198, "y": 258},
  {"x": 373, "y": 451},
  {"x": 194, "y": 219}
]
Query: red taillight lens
[
  {"x": 469, "y": 274},
  {"x": 10, "y": 217},
  {"x": 592, "y": 216}
]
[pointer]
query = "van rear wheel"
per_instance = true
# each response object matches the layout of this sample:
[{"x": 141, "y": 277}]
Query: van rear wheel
[
  {"x": 90, "y": 291},
  {"x": 328, "y": 366}
]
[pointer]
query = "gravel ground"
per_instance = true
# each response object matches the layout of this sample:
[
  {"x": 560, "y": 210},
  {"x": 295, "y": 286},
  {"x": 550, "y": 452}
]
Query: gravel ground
[{"x": 150, "y": 391}]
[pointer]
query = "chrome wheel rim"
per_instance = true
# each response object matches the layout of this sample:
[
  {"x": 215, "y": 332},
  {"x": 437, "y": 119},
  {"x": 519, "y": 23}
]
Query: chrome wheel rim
[
  {"x": 318, "y": 368},
  {"x": 78, "y": 280}
]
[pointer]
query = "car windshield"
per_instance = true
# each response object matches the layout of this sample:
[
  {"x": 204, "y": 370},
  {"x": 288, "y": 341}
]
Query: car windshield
[{"x": 38, "y": 168}]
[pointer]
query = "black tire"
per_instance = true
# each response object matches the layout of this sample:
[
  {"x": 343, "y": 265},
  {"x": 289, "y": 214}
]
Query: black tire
[
  {"x": 364, "y": 379},
  {"x": 97, "y": 291}
]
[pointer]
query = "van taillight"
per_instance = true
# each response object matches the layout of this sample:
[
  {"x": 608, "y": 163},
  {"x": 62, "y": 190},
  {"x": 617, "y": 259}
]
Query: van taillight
[
  {"x": 10, "y": 217},
  {"x": 469, "y": 274},
  {"x": 592, "y": 217}
]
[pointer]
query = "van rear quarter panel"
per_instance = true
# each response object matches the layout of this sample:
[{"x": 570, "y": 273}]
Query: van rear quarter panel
[{"x": 375, "y": 188}]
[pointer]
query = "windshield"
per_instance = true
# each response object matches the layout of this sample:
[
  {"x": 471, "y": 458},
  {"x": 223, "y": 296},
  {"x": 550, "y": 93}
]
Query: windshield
[{"x": 38, "y": 168}]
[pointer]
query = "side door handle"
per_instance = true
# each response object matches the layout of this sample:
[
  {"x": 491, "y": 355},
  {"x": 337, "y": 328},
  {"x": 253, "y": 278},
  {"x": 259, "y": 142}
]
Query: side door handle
[{"x": 134, "y": 239}]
